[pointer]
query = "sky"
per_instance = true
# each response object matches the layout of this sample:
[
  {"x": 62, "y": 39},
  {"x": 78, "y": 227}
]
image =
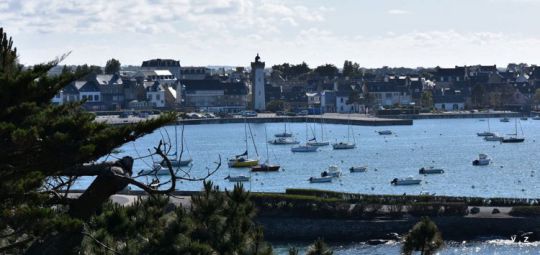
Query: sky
[{"x": 375, "y": 33}]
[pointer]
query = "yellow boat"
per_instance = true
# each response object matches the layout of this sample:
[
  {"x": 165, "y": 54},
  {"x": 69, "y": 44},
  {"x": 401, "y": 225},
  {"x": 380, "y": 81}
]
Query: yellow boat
[{"x": 243, "y": 162}]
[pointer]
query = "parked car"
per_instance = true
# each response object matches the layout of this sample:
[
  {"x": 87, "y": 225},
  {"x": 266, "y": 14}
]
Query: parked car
[
  {"x": 303, "y": 113},
  {"x": 249, "y": 114},
  {"x": 290, "y": 113},
  {"x": 209, "y": 115}
]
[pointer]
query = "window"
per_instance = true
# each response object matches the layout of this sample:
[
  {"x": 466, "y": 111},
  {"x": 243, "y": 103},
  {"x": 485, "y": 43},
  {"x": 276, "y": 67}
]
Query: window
[
  {"x": 388, "y": 95},
  {"x": 455, "y": 107},
  {"x": 96, "y": 97},
  {"x": 150, "y": 97},
  {"x": 443, "y": 107},
  {"x": 158, "y": 97},
  {"x": 84, "y": 97},
  {"x": 342, "y": 102}
]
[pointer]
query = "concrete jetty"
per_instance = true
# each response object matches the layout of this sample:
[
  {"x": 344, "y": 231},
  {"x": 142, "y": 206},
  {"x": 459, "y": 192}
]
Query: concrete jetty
[{"x": 353, "y": 119}]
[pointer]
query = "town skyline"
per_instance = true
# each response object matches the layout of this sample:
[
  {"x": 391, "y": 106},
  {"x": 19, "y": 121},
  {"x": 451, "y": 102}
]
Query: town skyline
[{"x": 230, "y": 32}]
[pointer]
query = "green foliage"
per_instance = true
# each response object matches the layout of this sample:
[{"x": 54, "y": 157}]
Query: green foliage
[
  {"x": 275, "y": 105},
  {"x": 289, "y": 71},
  {"x": 217, "y": 223},
  {"x": 426, "y": 99},
  {"x": 112, "y": 66},
  {"x": 319, "y": 247},
  {"x": 424, "y": 237},
  {"x": 39, "y": 141},
  {"x": 85, "y": 69},
  {"x": 351, "y": 69},
  {"x": 327, "y": 70}
]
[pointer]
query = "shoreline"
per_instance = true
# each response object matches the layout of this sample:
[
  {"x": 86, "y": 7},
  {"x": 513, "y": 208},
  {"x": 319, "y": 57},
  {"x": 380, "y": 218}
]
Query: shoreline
[{"x": 328, "y": 118}]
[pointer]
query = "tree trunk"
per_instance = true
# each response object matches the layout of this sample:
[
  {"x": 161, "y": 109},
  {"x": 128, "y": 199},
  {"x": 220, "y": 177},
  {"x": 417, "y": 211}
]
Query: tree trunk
[{"x": 104, "y": 186}]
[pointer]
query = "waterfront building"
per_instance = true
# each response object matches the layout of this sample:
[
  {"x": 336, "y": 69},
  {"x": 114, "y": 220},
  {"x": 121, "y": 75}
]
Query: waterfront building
[
  {"x": 160, "y": 65},
  {"x": 214, "y": 95},
  {"x": 387, "y": 93},
  {"x": 449, "y": 102},
  {"x": 257, "y": 84},
  {"x": 160, "y": 95},
  {"x": 194, "y": 73}
]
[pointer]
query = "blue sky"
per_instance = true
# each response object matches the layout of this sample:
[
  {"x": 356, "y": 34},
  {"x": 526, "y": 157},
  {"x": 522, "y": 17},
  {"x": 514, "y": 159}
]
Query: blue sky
[{"x": 230, "y": 32}]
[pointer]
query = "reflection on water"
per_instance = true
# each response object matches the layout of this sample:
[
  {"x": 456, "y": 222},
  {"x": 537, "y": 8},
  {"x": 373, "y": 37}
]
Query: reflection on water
[{"x": 451, "y": 248}]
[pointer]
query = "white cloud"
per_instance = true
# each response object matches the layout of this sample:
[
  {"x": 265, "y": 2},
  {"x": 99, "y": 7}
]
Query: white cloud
[{"x": 397, "y": 12}]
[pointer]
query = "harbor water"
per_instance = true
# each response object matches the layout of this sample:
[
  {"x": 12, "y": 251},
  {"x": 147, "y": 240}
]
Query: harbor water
[{"x": 451, "y": 144}]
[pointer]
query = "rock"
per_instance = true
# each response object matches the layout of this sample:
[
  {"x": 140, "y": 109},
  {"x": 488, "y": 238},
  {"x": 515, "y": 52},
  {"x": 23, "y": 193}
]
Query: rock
[
  {"x": 475, "y": 210},
  {"x": 495, "y": 211}
]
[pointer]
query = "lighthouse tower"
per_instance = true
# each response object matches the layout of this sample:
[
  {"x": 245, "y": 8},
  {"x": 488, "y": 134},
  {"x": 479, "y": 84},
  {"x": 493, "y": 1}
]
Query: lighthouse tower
[{"x": 257, "y": 84}]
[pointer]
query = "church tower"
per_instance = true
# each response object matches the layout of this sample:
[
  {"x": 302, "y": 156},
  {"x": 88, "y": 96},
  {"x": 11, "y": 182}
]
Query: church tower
[{"x": 257, "y": 84}]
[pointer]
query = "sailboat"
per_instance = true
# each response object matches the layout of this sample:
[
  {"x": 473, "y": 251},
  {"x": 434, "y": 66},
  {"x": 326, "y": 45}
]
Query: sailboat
[
  {"x": 315, "y": 142},
  {"x": 305, "y": 147},
  {"x": 265, "y": 167},
  {"x": 243, "y": 159},
  {"x": 176, "y": 162},
  {"x": 284, "y": 134},
  {"x": 346, "y": 145},
  {"x": 513, "y": 137},
  {"x": 486, "y": 133}
]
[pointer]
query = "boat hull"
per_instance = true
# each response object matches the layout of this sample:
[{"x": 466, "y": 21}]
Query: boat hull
[
  {"x": 319, "y": 144},
  {"x": 304, "y": 149},
  {"x": 400, "y": 182},
  {"x": 343, "y": 146},
  {"x": 430, "y": 171},
  {"x": 320, "y": 179},
  {"x": 265, "y": 168},
  {"x": 358, "y": 169},
  {"x": 243, "y": 163},
  {"x": 513, "y": 140},
  {"x": 283, "y": 135}
]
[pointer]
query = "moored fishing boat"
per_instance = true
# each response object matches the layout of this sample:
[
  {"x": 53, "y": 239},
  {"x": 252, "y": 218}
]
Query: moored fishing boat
[
  {"x": 238, "y": 178},
  {"x": 283, "y": 141},
  {"x": 304, "y": 148},
  {"x": 482, "y": 160},
  {"x": 320, "y": 179},
  {"x": 430, "y": 170},
  {"x": 332, "y": 171},
  {"x": 405, "y": 181},
  {"x": 384, "y": 132},
  {"x": 358, "y": 169}
]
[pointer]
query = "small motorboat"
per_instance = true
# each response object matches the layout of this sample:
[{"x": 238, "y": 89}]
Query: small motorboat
[
  {"x": 523, "y": 118},
  {"x": 320, "y": 179},
  {"x": 332, "y": 171},
  {"x": 485, "y": 133},
  {"x": 430, "y": 170},
  {"x": 343, "y": 146},
  {"x": 304, "y": 148},
  {"x": 358, "y": 169},
  {"x": 239, "y": 178},
  {"x": 283, "y": 141},
  {"x": 284, "y": 134},
  {"x": 494, "y": 138},
  {"x": 265, "y": 168},
  {"x": 483, "y": 160},
  {"x": 406, "y": 181},
  {"x": 385, "y": 132},
  {"x": 537, "y": 117},
  {"x": 505, "y": 119}
]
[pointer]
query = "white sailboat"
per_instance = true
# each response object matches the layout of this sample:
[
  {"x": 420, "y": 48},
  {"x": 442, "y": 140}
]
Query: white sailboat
[
  {"x": 284, "y": 133},
  {"x": 346, "y": 145},
  {"x": 486, "y": 133},
  {"x": 174, "y": 158},
  {"x": 243, "y": 159},
  {"x": 305, "y": 147},
  {"x": 314, "y": 141}
]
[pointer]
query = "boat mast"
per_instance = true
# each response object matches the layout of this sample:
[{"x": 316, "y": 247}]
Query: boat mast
[
  {"x": 245, "y": 134},
  {"x": 266, "y": 139},
  {"x": 176, "y": 139}
]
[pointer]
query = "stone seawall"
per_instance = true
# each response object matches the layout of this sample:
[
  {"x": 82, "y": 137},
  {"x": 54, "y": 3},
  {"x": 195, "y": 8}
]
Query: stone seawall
[
  {"x": 452, "y": 115},
  {"x": 452, "y": 228},
  {"x": 352, "y": 121}
]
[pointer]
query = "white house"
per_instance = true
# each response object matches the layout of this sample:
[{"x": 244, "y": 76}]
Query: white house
[{"x": 449, "y": 103}]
